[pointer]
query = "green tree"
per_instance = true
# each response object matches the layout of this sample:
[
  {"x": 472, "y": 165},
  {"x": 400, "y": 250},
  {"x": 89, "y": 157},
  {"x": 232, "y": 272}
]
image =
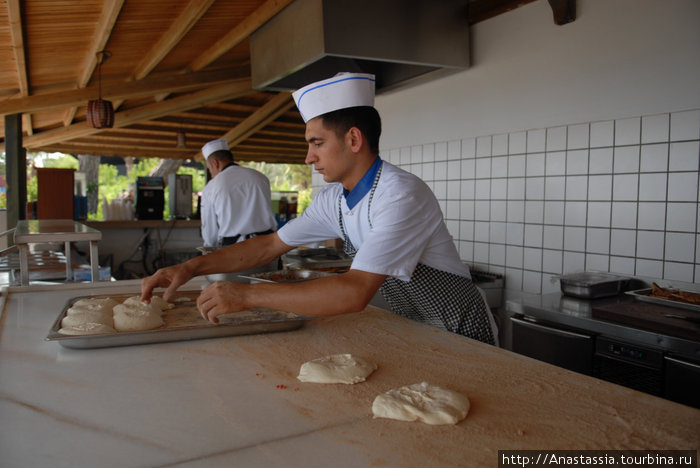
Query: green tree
[{"x": 283, "y": 177}]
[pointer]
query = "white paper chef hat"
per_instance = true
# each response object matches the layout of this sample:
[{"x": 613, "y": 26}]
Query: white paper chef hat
[
  {"x": 341, "y": 91},
  {"x": 214, "y": 145}
]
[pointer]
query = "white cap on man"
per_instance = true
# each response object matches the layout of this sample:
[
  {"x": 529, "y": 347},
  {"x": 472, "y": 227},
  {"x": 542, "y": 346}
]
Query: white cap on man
[
  {"x": 342, "y": 91},
  {"x": 214, "y": 145}
]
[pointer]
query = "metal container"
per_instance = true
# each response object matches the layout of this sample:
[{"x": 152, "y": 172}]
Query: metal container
[
  {"x": 492, "y": 286},
  {"x": 285, "y": 276},
  {"x": 181, "y": 323},
  {"x": 592, "y": 285}
]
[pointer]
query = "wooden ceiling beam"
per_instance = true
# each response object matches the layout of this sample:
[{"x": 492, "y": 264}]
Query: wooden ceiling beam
[
  {"x": 181, "y": 26},
  {"x": 14, "y": 14},
  {"x": 156, "y": 125},
  {"x": 103, "y": 30},
  {"x": 260, "y": 118},
  {"x": 122, "y": 151},
  {"x": 133, "y": 89},
  {"x": 187, "y": 18},
  {"x": 270, "y": 155},
  {"x": 260, "y": 141},
  {"x": 151, "y": 111},
  {"x": 240, "y": 33}
]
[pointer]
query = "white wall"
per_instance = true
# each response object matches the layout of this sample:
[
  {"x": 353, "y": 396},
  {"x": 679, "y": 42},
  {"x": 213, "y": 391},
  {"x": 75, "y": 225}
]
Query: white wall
[
  {"x": 620, "y": 58},
  {"x": 565, "y": 148}
]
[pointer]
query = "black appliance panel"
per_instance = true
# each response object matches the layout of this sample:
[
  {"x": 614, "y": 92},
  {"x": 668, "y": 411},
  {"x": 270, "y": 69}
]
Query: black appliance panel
[
  {"x": 564, "y": 348},
  {"x": 682, "y": 383}
]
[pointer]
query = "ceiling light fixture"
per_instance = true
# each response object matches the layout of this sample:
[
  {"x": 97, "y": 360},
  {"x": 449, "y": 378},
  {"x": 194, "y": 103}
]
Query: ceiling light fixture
[
  {"x": 100, "y": 113},
  {"x": 181, "y": 140}
]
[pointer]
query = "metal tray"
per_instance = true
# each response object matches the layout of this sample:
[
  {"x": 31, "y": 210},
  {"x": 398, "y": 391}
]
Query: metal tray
[
  {"x": 286, "y": 276},
  {"x": 183, "y": 322},
  {"x": 592, "y": 285},
  {"x": 645, "y": 296}
]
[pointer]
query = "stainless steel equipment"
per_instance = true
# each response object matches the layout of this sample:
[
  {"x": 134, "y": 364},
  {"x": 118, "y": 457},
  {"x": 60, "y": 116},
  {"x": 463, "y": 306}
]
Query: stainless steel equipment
[
  {"x": 183, "y": 322},
  {"x": 150, "y": 198},
  {"x": 399, "y": 41},
  {"x": 616, "y": 339},
  {"x": 180, "y": 195},
  {"x": 592, "y": 285}
]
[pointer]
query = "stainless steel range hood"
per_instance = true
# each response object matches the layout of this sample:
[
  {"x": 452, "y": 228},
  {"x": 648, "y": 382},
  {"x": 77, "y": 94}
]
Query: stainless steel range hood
[{"x": 400, "y": 41}]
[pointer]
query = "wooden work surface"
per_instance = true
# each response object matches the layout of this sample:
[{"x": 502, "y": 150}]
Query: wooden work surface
[{"x": 236, "y": 401}]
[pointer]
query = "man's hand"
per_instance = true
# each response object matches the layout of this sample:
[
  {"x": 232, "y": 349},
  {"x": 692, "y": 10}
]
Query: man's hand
[
  {"x": 222, "y": 297},
  {"x": 171, "y": 277}
]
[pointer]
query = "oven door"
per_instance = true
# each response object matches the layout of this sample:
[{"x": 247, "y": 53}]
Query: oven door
[
  {"x": 569, "y": 349},
  {"x": 682, "y": 381},
  {"x": 629, "y": 365}
]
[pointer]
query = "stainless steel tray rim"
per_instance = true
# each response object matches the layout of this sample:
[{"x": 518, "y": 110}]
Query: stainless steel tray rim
[
  {"x": 229, "y": 327},
  {"x": 644, "y": 296}
]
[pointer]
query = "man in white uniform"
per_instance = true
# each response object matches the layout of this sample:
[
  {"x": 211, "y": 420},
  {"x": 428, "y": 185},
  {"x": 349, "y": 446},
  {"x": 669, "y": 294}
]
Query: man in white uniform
[
  {"x": 390, "y": 220},
  {"x": 235, "y": 202}
]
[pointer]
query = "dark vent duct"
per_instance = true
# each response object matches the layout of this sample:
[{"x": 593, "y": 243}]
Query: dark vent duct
[{"x": 400, "y": 41}]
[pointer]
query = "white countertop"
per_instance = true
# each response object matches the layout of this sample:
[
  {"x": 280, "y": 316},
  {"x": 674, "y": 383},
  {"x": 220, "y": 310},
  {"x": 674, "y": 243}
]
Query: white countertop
[
  {"x": 54, "y": 230},
  {"x": 236, "y": 401}
]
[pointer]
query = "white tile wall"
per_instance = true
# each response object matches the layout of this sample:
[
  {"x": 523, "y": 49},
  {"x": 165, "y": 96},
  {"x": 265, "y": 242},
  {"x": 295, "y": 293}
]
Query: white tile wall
[{"x": 619, "y": 195}]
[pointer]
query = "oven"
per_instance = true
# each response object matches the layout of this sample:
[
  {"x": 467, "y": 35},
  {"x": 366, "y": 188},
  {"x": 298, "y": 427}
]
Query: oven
[
  {"x": 632, "y": 366},
  {"x": 562, "y": 347},
  {"x": 643, "y": 368}
]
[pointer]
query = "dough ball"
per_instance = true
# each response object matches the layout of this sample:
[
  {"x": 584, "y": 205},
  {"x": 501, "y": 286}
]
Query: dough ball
[
  {"x": 337, "y": 368},
  {"x": 133, "y": 317},
  {"x": 158, "y": 303},
  {"x": 161, "y": 303},
  {"x": 93, "y": 304},
  {"x": 87, "y": 316},
  {"x": 136, "y": 304},
  {"x": 422, "y": 402},
  {"x": 89, "y": 328}
]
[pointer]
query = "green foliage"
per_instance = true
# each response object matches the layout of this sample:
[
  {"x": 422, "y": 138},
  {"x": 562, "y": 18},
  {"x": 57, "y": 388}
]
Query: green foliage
[
  {"x": 283, "y": 177},
  {"x": 287, "y": 177},
  {"x": 65, "y": 162}
]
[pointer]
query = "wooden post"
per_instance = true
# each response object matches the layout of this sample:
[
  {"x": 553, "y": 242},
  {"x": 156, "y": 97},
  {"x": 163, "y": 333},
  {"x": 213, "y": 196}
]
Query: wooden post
[{"x": 16, "y": 170}]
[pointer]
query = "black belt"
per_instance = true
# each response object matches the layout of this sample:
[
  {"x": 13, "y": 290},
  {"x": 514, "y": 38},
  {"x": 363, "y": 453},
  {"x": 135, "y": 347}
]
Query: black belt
[{"x": 233, "y": 239}]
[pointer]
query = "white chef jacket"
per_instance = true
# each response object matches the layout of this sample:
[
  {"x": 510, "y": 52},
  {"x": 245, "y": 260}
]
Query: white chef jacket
[
  {"x": 407, "y": 226},
  {"x": 236, "y": 202}
]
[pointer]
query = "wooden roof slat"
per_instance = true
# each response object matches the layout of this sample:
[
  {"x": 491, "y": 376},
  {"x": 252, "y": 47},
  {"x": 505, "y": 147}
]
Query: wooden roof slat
[
  {"x": 15, "y": 19},
  {"x": 187, "y": 18},
  {"x": 171, "y": 64},
  {"x": 268, "y": 112},
  {"x": 133, "y": 89},
  {"x": 182, "y": 24},
  {"x": 239, "y": 33},
  {"x": 124, "y": 118},
  {"x": 103, "y": 29}
]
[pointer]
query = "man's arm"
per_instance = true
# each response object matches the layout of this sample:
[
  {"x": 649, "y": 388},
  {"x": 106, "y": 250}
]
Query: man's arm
[
  {"x": 337, "y": 294},
  {"x": 241, "y": 256}
]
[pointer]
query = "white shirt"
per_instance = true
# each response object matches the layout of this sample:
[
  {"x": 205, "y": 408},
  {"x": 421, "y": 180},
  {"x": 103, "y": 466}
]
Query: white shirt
[
  {"x": 407, "y": 227},
  {"x": 236, "y": 202}
]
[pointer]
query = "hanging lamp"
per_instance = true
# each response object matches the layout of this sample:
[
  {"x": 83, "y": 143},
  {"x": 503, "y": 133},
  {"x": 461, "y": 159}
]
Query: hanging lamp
[
  {"x": 181, "y": 138},
  {"x": 100, "y": 113}
]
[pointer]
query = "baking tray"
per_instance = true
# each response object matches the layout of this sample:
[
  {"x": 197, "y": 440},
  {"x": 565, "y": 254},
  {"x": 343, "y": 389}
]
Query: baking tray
[
  {"x": 182, "y": 323},
  {"x": 286, "y": 276},
  {"x": 645, "y": 296},
  {"x": 592, "y": 285}
]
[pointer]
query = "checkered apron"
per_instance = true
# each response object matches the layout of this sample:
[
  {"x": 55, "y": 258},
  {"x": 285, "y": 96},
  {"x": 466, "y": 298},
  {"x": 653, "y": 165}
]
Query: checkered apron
[{"x": 439, "y": 298}]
